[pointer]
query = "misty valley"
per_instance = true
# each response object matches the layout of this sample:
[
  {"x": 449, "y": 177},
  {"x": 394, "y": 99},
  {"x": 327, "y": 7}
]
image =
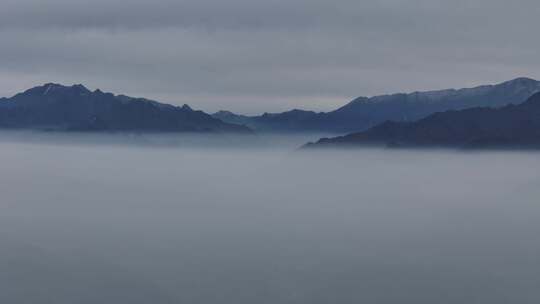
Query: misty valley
[
  {"x": 269, "y": 152},
  {"x": 176, "y": 219},
  {"x": 423, "y": 197}
]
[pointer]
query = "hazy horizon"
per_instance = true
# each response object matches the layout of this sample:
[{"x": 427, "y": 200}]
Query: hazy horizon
[{"x": 265, "y": 56}]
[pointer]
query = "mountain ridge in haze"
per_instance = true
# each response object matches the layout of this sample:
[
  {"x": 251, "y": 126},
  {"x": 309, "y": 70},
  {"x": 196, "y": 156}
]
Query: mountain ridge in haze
[
  {"x": 365, "y": 112},
  {"x": 511, "y": 126},
  {"x": 76, "y": 108}
]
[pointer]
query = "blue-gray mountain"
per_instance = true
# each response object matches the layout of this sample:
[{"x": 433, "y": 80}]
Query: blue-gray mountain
[
  {"x": 363, "y": 112},
  {"x": 75, "y": 108},
  {"x": 512, "y": 126}
]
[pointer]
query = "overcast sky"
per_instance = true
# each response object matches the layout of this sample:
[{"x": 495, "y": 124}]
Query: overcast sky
[{"x": 252, "y": 56}]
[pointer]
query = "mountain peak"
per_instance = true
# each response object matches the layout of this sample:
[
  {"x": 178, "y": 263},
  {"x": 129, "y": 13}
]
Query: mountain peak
[
  {"x": 80, "y": 87},
  {"x": 223, "y": 112},
  {"x": 186, "y": 107},
  {"x": 54, "y": 106},
  {"x": 512, "y": 126},
  {"x": 50, "y": 87},
  {"x": 521, "y": 81}
]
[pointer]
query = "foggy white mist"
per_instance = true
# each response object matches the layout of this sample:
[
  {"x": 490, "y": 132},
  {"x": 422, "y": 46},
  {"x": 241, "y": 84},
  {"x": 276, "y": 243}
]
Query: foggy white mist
[{"x": 157, "y": 220}]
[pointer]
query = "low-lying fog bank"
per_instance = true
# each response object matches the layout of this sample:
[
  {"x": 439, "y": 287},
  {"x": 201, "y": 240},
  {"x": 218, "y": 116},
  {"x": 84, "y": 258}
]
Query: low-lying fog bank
[
  {"x": 85, "y": 223},
  {"x": 267, "y": 141}
]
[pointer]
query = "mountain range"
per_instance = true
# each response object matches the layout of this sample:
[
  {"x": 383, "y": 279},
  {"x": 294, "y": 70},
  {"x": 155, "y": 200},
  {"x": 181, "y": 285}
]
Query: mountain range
[
  {"x": 512, "y": 126},
  {"x": 75, "y": 108},
  {"x": 363, "y": 112}
]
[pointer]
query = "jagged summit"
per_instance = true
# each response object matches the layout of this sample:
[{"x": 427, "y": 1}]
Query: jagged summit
[
  {"x": 50, "y": 87},
  {"x": 186, "y": 107},
  {"x": 58, "y": 107}
]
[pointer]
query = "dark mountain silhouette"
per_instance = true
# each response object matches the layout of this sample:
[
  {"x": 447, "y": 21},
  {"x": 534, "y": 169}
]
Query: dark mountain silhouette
[
  {"x": 75, "y": 108},
  {"x": 512, "y": 126},
  {"x": 294, "y": 120},
  {"x": 363, "y": 112}
]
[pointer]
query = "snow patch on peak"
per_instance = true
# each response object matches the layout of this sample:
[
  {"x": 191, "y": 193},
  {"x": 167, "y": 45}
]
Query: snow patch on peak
[{"x": 47, "y": 89}]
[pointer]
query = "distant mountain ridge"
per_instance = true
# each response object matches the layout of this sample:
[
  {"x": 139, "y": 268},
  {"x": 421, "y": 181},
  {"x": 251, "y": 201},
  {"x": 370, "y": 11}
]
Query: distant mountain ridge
[
  {"x": 512, "y": 126},
  {"x": 75, "y": 108},
  {"x": 293, "y": 120},
  {"x": 363, "y": 112}
]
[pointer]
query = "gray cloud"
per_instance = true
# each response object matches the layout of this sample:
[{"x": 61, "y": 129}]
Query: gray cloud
[{"x": 252, "y": 56}]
